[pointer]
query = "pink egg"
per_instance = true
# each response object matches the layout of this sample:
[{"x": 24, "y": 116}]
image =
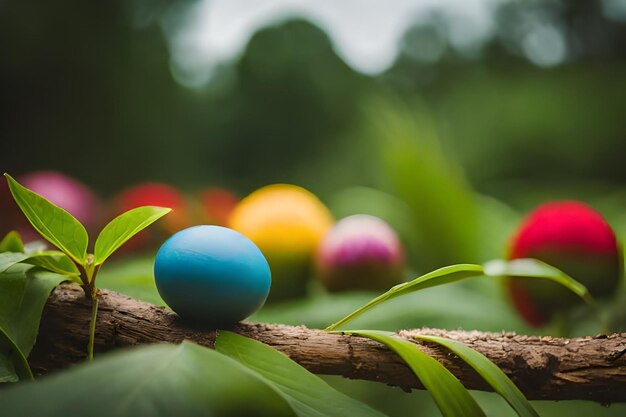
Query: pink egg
[{"x": 360, "y": 252}]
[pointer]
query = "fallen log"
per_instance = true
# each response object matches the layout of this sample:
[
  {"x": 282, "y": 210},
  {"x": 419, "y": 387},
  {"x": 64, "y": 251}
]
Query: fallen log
[{"x": 546, "y": 368}]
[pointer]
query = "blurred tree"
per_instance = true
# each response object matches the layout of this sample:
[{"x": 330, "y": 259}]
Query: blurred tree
[
  {"x": 88, "y": 89},
  {"x": 541, "y": 101},
  {"x": 85, "y": 92},
  {"x": 292, "y": 99}
]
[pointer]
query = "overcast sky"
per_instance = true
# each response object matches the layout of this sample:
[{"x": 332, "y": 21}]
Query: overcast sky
[{"x": 365, "y": 33}]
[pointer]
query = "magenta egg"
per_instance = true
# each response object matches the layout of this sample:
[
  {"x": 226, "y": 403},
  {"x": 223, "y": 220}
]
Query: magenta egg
[{"x": 360, "y": 252}]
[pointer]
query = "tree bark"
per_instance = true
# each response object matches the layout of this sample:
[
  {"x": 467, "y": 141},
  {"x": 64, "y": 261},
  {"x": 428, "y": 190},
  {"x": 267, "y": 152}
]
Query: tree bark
[{"x": 547, "y": 368}]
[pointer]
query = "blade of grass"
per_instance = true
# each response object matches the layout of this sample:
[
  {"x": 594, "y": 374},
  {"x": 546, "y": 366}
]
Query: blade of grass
[
  {"x": 533, "y": 268},
  {"x": 529, "y": 268},
  {"x": 490, "y": 373},
  {"x": 306, "y": 393},
  {"x": 440, "y": 276},
  {"x": 452, "y": 398}
]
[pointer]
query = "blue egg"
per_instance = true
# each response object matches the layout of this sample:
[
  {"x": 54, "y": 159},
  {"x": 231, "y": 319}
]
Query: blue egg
[{"x": 212, "y": 275}]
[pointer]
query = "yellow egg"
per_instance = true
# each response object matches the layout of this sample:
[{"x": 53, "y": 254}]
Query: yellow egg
[{"x": 287, "y": 223}]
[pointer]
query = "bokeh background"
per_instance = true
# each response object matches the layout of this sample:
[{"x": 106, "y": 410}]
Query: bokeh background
[{"x": 448, "y": 119}]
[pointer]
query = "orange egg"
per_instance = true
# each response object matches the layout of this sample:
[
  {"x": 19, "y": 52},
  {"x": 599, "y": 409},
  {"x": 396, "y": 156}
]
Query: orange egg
[{"x": 287, "y": 223}]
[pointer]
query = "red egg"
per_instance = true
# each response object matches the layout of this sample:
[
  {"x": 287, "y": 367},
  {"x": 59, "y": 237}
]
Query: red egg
[
  {"x": 216, "y": 205},
  {"x": 153, "y": 194},
  {"x": 574, "y": 238}
]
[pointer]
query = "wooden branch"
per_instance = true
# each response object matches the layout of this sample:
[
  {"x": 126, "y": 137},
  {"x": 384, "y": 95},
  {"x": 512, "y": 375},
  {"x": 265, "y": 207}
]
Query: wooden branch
[{"x": 590, "y": 368}]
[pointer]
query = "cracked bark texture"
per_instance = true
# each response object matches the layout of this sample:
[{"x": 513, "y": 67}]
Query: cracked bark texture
[{"x": 548, "y": 368}]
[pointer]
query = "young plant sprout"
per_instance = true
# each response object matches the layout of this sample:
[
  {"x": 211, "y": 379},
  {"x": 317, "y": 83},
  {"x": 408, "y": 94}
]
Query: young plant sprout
[{"x": 66, "y": 233}]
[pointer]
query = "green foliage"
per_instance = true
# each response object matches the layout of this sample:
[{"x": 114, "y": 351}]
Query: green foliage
[
  {"x": 13, "y": 363},
  {"x": 519, "y": 267},
  {"x": 134, "y": 277},
  {"x": 450, "y": 395},
  {"x": 123, "y": 227},
  {"x": 56, "y": 262},
  {"x": 146, "y": 378},
  {"x": 490, "y": 372},
  {"x": 24, "y": 290},
  {"x": 66, "y": 233},
  {"x": 415, "y": 306},
  {"x": 12, "y": 242},
  {"x": 158, "y": 380},
  {"x": 532, "y": 268},
  {"x": 440, "y": 276},
  {"x": 430, "y": 308},
  {"x": 8, "y": 259},
  {"x": 496, "y": 224},
  {"x": 506, "y": 121},
  {"x": 51, "y": 260},
  {"x": 56, "y": 225},
  {"x": 459, "y": 404},
  {"x": 244, "y": 377},
  {"x": 306, "y": 393},
  {"x": 416, "y": 169}
]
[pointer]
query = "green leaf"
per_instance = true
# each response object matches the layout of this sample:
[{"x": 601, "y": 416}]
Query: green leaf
[
  {"x": 33, "y": 254},
  {"x": 490, "y": 373},
  {"x": 53, "y": 261},
  {"x": 308, "y": 395},
  {"x": 158, "y": 381},
  {"x": 530, "y": 268},
  {"x": 123, "y": 227},
  {"x": 533, "y": 268},
  {"x": 441, "y": 276},
  {"x": 413, "y": 162},
  {"x": 12, "y": 242},
  {"x": 13, "y": 363},
  {"x": 55, "y": 224},
  {"x": 24, "y": 290},
  {"x": 452, "y": 398},
  {"x": 431, "y": 308},
  {"x": 57, "y": 262},
  {"x": 8, "y": 259}
]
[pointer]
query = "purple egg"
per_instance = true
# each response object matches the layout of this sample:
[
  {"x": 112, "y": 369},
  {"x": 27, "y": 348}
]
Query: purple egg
[{"x": 360, "y": 252}]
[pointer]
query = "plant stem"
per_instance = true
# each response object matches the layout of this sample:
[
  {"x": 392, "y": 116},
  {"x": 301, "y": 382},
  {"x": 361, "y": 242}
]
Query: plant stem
[
  {"x": 89, "y": 272},
  {"x": 92, "y": 327}
]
